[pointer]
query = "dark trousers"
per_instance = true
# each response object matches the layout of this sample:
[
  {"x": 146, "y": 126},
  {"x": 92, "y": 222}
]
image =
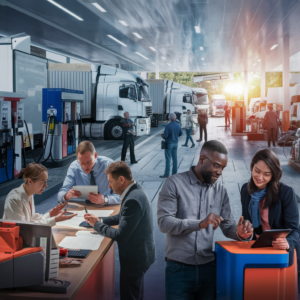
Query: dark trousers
[
  {"x": 271, "y": 134},
  {"x": 203, "y": 128},
  {"x": 227, "y": 119},
  {"x": 131, "y": 286},
  {"x": 128, "y": 141},
  {"x": 186, "y": 282}
]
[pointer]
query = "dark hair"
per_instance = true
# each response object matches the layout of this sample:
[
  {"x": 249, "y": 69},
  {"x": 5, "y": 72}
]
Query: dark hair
[
  {"x": 212, "y": 146},
  {"x": 272, "y": 161},
  {"x": 32, "y": 171},
  {"x": 119, "y": 168}
]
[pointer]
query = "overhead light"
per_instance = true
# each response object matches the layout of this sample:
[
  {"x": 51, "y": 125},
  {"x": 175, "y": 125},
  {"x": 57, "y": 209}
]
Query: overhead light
[
  {"x": 204, "y": 64},
  {"x": 153, "y": 63},
  {"x": 202, "y": 58},
  {"x": 113, "y": 38},
  {"x": 153, "y": 49},
  {"x": 141, "y": 55},
  {"x": 66, "y": 10},
  {"x": 137, "y": 35},
  {"x": 254, "y": 64},
  {"x": 99, "y": 7},
  {"x": 201, "y": 48},
  {"x": 197, "y": 29},
  {"x": 169, "y": 65},
  {"x": 123, "y": 23},
  {"x": 175, "y": 69},
  {"x": 273, "y": 47},
  {"x": 259, "y": 60},
  {"x": 163, "y": 57}
]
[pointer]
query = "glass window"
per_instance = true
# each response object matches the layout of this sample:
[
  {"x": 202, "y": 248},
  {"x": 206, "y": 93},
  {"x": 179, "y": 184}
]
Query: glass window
[
  {"x": 201, "y": 99},
  {"x": 144, "y": 94},
  {"x": 127, "y": 91}
]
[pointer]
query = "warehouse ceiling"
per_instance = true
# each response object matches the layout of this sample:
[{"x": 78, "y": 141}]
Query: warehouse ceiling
[{"x": 173, "y": 35}]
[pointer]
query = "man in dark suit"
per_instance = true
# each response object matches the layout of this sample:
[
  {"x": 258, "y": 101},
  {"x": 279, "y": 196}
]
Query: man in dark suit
[{"x": 135, "y": 232}]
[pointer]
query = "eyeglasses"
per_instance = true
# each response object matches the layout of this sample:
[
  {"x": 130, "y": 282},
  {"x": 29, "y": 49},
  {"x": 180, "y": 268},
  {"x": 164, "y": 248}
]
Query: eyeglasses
[{"x": 216, "y": 165}]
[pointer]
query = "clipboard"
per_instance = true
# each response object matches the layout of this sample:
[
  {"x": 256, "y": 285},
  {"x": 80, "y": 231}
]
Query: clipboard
[
  {"x": 85, "y": 190},
  {"x": 268, "y": 236}
]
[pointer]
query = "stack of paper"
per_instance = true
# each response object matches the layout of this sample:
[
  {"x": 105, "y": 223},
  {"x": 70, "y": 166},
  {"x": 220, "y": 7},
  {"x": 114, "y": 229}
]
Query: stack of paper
[
  {"x": 83, "y": 240},
  {"x": 75, "y": 221}
]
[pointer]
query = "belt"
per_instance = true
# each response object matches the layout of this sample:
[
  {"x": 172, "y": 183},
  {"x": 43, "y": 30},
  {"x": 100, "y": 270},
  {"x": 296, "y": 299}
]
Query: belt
[{"x": 179, "y": 262}]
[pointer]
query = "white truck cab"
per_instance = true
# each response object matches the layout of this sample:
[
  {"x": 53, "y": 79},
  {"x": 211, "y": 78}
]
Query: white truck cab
[{"x": 115, "y": 92}]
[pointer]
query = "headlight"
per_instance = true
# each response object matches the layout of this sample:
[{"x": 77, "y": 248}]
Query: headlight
[{"x": 142, "y": 121}]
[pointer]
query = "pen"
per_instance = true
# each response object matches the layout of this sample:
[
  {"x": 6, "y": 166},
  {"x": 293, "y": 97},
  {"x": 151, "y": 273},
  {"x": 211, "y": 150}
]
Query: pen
[{"x": 85, "y": 207}]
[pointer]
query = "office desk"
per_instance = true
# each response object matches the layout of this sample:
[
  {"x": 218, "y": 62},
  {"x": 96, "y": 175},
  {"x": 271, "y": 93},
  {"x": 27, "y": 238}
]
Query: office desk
[{"x": 94, "y": 279}]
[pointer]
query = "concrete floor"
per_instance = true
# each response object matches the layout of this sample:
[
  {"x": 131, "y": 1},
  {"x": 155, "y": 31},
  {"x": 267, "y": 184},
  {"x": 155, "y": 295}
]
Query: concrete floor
[{"x": 152, "y": 165}]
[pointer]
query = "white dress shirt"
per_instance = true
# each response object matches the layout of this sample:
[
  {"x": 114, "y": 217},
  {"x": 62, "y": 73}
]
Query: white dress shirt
[{"x": 17, "y": 207}]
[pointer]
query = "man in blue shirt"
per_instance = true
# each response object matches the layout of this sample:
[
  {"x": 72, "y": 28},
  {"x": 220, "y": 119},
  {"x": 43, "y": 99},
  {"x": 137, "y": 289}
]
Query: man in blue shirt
[
  {"x": 171, "y": 134},
  {"x": 88, "y": 169}
]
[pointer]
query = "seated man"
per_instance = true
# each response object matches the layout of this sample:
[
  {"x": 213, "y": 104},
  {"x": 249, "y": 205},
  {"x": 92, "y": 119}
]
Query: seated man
[{"x": 88, "y": 169}]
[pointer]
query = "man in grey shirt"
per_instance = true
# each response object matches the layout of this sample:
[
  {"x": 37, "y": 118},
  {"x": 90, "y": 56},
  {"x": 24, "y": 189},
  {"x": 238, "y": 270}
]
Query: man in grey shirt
[{"x": 191, "y": 205}]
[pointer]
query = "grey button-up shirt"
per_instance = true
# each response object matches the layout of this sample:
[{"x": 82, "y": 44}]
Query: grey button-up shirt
[{"x": 182, "y": 203}]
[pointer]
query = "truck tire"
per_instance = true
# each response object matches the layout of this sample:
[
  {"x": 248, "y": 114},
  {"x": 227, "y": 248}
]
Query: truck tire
[{"x": 115, "y": 131}]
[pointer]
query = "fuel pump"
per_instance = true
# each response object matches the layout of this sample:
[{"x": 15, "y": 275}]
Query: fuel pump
[
  {"x": 10, "y": 139},
  {"x": 59, "y": 110}
]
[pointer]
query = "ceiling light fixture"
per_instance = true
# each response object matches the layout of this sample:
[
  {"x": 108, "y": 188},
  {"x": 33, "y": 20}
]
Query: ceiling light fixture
[
  {"x": 66, "y": 10},
  {"x": 258, "y": 60},
  {"x": 99, "y": 7},
  {"x": 137, "y": 35},
  {"x": 113, "y": 38},
  {"x": 169, "y": 65},
  {"x": 153, "y": 63},
  {"x": 123, "y": 23},
  {"x": 175, "y": 69},
  {"x": 163, "y": 57},
  {"x": 202, "y": 58},
  {"x": 254, "y": 64},
  {"x": 153, "y": 49},
  {"x": 201, "y": 48},
  {"x": 273, "y": 47},
  {"x": 197, "y": 29},
  {"x": 141, "y": 55},
  {"x": 204, "y": 64}
]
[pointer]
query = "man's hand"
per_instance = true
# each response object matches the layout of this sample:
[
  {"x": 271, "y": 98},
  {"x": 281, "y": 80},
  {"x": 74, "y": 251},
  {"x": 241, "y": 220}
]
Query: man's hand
[
  {"x": 61, "y": 216},
  {"x": 57, "y": 209},
  {"x": 96, "y": 198},
  {"x": 72, "y": 194},
  {"x": 91, "y": 219},
  {"x": 281, "y": 244},
  {"x": 213, "y": 219},
  {"x": 244, "y": 228}
]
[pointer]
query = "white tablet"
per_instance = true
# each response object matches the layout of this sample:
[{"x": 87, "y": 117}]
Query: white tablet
[{"x": 85, "y": 190}]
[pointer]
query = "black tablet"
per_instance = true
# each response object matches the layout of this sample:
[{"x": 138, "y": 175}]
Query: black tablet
[{"x": 268, "y": 236}]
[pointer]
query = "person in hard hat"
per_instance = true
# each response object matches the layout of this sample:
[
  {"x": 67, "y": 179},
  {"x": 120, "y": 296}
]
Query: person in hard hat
[{"x": 19, "y": 203}]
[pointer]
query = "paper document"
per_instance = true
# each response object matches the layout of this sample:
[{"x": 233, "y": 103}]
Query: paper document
[
  {"x": 85, "y": 190},
  {"x": 98, "y": 213},
  {"x": 91, "y": 234},
  {"x": 81, "y": 242},
  {"x": 74, "y": 222}
]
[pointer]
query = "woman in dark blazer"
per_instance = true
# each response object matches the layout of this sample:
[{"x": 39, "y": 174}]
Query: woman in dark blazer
[{"x": 271, "y": 204}]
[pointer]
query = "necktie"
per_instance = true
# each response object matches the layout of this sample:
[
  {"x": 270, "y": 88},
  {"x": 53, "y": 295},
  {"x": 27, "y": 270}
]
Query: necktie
[{"x": 92, "y": 179}]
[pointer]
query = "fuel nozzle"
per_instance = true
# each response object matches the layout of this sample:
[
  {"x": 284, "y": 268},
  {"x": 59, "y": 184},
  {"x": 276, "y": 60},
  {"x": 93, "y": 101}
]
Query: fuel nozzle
[{"x": 51, "y": 112}]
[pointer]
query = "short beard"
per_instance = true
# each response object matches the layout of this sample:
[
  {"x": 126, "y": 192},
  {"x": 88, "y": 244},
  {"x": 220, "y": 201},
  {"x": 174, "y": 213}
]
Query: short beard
[{"x": 208, "y": 177}]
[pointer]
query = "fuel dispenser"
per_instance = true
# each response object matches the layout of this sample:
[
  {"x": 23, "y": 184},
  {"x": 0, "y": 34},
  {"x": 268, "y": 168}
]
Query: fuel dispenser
[
  {"x": 11, "y": 119},
  {"x": 61, "y": 115}
]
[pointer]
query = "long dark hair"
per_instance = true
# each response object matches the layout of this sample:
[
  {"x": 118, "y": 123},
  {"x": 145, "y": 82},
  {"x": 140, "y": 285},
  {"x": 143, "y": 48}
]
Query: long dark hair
[{"x": 272, "y": 161}]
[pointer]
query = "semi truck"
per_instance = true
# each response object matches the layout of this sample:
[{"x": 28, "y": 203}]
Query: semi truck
[
  {"x": 200, "y": 99},
  {"x": 109, "y": 92},
  {"x": 218, "y": 103},
  {"x": 170, "y": 97}
]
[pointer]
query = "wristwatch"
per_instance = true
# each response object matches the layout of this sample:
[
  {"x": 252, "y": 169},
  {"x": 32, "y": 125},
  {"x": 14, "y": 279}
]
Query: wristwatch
[{"x": 105, "y": 199}]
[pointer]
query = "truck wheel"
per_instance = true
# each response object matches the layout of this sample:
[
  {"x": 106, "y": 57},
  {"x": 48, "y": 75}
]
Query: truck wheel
[{"x": 115, "y": 131}]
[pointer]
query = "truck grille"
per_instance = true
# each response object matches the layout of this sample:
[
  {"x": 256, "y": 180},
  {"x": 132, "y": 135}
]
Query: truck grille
[{"x": 148, "y": 111}]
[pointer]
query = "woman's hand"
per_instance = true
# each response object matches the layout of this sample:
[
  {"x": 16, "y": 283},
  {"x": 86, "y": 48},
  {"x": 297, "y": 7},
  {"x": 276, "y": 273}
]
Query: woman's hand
[
  {"x": 57, "y": 209},
  {"x": 281, "y": 244},
  {"x": 61, "y": 216}
]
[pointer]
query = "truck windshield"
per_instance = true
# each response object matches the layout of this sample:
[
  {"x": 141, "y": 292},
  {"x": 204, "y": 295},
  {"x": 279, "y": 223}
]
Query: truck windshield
[
  {"x": 220, "y": 103},
  {"x": 201, "y": 98},
  {"x": 143, "y": 93}
]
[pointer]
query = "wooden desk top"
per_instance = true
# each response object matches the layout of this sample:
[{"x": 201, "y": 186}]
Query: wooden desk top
[{"x": 77, "y": 276}]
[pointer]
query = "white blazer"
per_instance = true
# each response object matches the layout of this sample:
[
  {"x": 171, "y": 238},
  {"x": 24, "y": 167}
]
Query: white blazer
[{"x": 17, "y": 208}]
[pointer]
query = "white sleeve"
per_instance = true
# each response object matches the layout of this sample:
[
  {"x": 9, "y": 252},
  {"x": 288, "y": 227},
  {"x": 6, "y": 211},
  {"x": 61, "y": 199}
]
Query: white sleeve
[
  {"x": 43, "y": 219},
  {"x": 13, "y": 210}
]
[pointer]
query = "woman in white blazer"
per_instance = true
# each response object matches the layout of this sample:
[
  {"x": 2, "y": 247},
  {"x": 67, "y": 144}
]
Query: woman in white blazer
[{"x": 19, "y": 203}]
